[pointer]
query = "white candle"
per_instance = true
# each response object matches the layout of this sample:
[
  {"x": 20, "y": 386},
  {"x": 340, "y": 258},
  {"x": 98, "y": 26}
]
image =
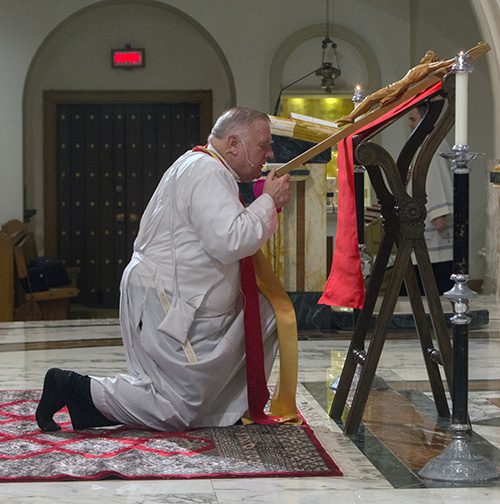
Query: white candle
[
  {"x": 461, "y": 106},
  {"x": 358, "y": 96}
]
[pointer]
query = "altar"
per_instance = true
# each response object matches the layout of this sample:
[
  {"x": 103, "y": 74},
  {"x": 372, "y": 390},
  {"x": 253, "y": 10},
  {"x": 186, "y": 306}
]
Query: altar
[
  {"x": 303, "y": 222},
  {"x": 298, "y": 251}
]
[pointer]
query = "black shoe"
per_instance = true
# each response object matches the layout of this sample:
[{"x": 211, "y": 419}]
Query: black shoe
[
  {"x": 67, "y": 388},
  {"x": 75, "y": 389},
  {"x": 50, "y": 403}
]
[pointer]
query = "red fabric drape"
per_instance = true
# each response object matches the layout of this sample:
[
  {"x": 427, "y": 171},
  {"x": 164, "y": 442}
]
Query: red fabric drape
[
  {"x": 345, "y": 284},
  {"x": 258, "y": 393}
]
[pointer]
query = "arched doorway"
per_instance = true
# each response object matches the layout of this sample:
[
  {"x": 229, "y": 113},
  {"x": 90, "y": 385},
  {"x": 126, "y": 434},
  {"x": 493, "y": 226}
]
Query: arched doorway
[{"x": 75, "y": 59}]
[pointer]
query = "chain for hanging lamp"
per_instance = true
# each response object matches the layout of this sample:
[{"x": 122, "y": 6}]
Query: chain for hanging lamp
[{"x": 327, "y": 72}]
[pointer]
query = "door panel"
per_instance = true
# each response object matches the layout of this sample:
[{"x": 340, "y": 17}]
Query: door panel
[{"x": 110, "y": 158}]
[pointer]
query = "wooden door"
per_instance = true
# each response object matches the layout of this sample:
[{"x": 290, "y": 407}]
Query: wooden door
[{"x": 109, "y": 158}]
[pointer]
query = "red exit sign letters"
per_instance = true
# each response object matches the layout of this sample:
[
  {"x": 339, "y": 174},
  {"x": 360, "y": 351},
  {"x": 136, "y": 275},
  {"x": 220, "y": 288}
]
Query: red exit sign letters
[{"x": 127, "y": 58}]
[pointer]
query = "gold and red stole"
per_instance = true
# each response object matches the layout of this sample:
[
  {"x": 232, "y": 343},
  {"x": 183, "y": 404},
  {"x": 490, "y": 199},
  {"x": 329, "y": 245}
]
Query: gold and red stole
[{"x": 257, "y": 275}]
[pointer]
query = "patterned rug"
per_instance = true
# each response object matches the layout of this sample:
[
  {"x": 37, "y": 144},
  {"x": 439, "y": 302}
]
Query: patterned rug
[{"x": 28, "y": 454}]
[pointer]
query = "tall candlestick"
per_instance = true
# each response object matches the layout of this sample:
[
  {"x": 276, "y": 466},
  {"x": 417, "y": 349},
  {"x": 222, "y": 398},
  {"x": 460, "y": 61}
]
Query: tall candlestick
[
  {"x": 462, "y": 69},
  {"x": 459, "y": 462}
]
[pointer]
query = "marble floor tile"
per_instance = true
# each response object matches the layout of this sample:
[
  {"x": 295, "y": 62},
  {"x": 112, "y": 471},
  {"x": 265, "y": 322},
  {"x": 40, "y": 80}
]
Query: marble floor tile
[
  {"x": 380, "y": 464},
  {"x": 111, "y": 492}
]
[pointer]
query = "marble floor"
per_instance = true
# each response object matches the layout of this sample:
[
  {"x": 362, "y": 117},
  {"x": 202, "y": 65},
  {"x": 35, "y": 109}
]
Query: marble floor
[{"x": 400, "y": 431}]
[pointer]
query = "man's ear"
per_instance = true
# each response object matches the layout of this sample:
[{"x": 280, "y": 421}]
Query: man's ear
[{"x": 232, "y": 142}]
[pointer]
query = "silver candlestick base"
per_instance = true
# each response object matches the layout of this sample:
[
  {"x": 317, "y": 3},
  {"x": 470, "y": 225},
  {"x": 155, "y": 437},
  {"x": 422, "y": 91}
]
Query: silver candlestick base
[{"x": 459, "y": 462}]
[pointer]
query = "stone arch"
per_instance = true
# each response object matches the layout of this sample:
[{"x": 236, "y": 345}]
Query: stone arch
[
  {"x": 52, "y": 45},
  {"x": 152, "y": 3},
  {"x": 317, "y": 31}
]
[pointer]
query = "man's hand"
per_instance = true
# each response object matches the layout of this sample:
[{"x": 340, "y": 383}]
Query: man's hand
[
  {"x": 439, "y": 223},
  {"x": 278, "y": 188}
]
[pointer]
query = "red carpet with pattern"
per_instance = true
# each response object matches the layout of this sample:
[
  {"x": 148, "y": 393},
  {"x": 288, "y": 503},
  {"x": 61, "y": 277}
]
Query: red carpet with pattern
[{"x": 28, "y": 454}]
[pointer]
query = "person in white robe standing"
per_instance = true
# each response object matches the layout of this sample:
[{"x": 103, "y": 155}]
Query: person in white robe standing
[{"x": 181, "y": 308}]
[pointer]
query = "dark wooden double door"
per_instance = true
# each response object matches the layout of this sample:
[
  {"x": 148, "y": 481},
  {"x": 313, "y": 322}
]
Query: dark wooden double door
[{"x": 109, "y": 158}]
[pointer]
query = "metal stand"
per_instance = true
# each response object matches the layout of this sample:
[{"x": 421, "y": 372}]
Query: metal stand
[
  {"x": 459, "y": 462},
  {"x": 359, "y": 188}
]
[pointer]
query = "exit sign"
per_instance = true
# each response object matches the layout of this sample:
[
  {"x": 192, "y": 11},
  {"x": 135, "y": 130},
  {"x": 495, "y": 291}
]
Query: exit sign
[{"x": 127, "y": 58}]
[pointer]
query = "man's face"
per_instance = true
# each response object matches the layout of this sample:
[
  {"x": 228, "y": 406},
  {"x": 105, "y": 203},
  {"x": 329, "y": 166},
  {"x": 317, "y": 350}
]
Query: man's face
[
  {"x": 255, "y": 149},
  {"x": 414, "y": 118}
]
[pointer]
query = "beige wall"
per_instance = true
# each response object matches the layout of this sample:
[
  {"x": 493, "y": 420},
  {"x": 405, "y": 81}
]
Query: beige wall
[
  {"x": 487, "y": 13},
  {"x": 64, "y": 44},
  {"x": 76, "y": 56}
]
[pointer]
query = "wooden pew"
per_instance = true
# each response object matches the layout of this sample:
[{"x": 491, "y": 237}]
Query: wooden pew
[
  {"x": 10, "y": 234},
  {"x": 18, "y": 301},
  {"x": 51, "y": 304}
]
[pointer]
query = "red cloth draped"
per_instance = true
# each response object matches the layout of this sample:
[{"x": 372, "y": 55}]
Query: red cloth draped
[
  {"x": 345, "y": 284},
  {"x": 258, "y": 393}
]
